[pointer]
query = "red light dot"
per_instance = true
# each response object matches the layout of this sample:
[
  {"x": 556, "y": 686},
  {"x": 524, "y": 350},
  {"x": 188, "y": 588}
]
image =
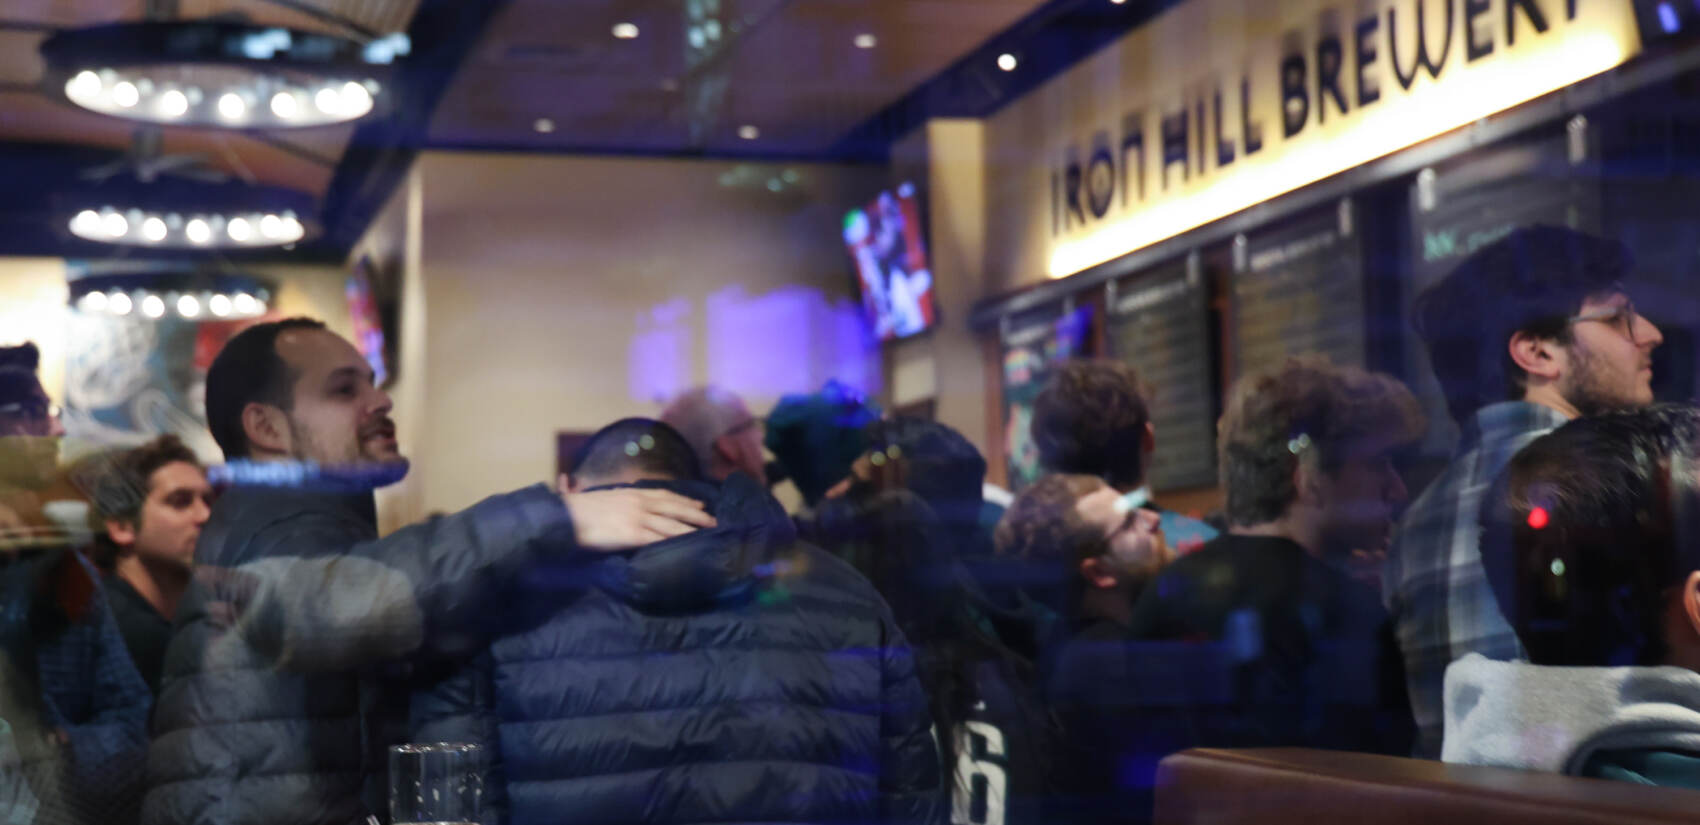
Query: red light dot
[{"x": 1538, "y": 518}]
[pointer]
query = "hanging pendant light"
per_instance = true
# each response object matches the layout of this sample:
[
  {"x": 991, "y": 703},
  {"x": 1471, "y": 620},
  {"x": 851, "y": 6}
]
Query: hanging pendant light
[
  {"x": 220, "y": 74},
  {"x": 172, "y": 213}
]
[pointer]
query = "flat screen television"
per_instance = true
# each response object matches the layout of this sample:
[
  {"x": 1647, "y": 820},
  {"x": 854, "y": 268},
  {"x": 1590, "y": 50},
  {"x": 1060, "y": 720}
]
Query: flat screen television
[
  {"x": 368, "y": 321},
  {"x": 896, "y": 279}
]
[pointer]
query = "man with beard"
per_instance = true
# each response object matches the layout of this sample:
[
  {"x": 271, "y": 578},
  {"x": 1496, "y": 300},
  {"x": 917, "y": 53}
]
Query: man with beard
[
  {"x": 1305, "y": 453},
  {"x": 149, "y": 504},
  {"x": 75, "y": 705},
  {"x": 298, "y": 645},
  {"x": 1529, "y": 332}
]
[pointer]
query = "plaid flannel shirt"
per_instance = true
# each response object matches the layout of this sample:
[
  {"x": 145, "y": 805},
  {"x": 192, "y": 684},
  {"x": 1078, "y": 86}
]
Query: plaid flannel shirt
[{"x": 1434, "y": 584}]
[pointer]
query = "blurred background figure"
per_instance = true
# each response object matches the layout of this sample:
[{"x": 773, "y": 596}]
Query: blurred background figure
[
  {"x": 1092, "y": 418},
  {"x": 148, "y": 505},
  {"x": 733, "y": 672},
  {"x": 815, "y": 437},
  {"x": 1591, "y": 549},
  {"x": 76, "y": 706},
  {"x": 1527, "y": 333},
  {"x": 726, "y": 437}
]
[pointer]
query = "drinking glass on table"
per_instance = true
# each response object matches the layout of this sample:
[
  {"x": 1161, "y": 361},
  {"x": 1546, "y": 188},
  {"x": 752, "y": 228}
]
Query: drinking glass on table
[{"x": 437, "y": 783}]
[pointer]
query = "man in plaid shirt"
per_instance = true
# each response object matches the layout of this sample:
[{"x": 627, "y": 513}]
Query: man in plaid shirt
[{"x": 1527, "y": 333}]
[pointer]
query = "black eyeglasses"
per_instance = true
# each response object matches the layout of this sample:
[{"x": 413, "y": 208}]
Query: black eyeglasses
[{"x": 1621, "y": 318}]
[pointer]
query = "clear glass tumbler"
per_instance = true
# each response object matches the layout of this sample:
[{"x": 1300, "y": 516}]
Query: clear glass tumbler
[{"x": 436, "y": 783}]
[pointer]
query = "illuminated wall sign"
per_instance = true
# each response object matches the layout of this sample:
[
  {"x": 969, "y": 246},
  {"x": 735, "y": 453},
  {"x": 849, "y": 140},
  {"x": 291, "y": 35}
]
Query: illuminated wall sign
[{"x": 1221, "y": 104}]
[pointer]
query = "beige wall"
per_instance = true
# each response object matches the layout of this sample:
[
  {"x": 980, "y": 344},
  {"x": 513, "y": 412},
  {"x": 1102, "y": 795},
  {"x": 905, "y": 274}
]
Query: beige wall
[
  {"x": 33, "y": 307},
  {"x": 562, "y": 293}
]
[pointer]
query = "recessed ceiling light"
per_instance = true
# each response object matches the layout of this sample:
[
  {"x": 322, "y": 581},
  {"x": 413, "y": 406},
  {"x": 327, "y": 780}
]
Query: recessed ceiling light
[
  {"x": 1118, "y": 2},
  {"x": 544, "y": 125},
  {"x": 749, "y": 132},
  {"x": 626, "y": 31},
  {"x": 866, "y": 41},
  {"x": 1007, "y": 62}
]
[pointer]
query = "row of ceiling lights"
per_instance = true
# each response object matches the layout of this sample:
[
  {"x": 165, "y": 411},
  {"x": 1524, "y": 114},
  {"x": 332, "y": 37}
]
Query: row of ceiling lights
[
  {"x": 212, "y": 74},
  {"x": 187, "y": 304}
]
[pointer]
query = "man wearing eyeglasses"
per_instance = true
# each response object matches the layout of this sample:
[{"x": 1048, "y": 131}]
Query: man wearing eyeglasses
[
  {"x": 1529, "y": 332},
  {"x": 726, "y": 437},
  {"x": 73, "y": 702}
]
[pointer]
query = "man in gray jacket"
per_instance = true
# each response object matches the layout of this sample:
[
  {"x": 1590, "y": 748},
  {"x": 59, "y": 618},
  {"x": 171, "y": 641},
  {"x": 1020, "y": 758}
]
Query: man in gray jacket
[{"x": 294, "y": 652}]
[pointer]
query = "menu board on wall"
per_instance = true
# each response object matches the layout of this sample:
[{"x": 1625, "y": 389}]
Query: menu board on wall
[
  {"x": 1298, "y": 290},
  {"x": 1159, "y": 322},
  {"x": 1033, "y": 344}
]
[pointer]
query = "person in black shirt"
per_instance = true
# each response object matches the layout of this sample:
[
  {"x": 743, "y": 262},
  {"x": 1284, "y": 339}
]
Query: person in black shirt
[
  {"x": 1304, "y": 650},
  {"x": 148, "y": 505}
]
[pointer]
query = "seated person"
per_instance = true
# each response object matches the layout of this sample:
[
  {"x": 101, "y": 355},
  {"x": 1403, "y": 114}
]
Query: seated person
[
  {"x": 731, "y": 674},
  {"x": 1093, "y": 418},
  {"x": 1305, "y": 455},
  {"x": 1590, "y": 542}
]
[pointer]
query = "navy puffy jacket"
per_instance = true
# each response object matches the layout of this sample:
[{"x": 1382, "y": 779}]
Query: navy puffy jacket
[{"x": 728, "y": 675}]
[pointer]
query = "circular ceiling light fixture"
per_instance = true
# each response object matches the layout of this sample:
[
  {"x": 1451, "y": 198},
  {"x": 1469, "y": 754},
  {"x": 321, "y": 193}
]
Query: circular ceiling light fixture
[
  {"x": 224, "y": 74},
  {"x": 186, "y": 215},
  {"x": 156, "y": 294}
]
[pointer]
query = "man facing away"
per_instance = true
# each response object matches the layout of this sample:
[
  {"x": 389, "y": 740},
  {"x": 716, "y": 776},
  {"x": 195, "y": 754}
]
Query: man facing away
[
  {"x": 1594, "y": 531},
  {"x": 1092, "y": 418},
  {"x": 297, "y": 645},
  {"x": 732, "y": 674},
  {"x": 1531, "y": 331},
  {"x": 148, "y": 505},
  {"x": 719, "y": 427}
]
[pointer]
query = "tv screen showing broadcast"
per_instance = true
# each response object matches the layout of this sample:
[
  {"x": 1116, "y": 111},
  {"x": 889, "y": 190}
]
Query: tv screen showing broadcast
[{"x": 886, "y": 241}]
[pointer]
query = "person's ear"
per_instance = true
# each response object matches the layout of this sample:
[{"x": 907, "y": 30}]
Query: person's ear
[
  {"x": 121, "y": 532},
  {"x": 266, "y": 428},
  {"x": 1535, "y": 355},
  {"x": 1691, "y": 600},
  {"x": 567, "y": 484},
  {"x": 1309, "y": 485},
  {"x": 1149, "y": 443},
  {"x": 1097, "y": 573}
]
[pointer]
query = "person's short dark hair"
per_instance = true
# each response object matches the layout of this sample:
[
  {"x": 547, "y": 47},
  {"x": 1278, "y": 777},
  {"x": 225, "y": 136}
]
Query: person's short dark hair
[
  {"x": 18, "y": 365},
  {"x": 1588, "y": 528},
  {"x": 249, "y": 370},
  {"x": 117, "y": 484},
  {"x": 943, "y": 467},
  {"x": 1090, "y": 418},
  {"x": 641, "y": 444},
  {"x": 1306, "y": 404},
  {"x": 1532, "y": 281}
]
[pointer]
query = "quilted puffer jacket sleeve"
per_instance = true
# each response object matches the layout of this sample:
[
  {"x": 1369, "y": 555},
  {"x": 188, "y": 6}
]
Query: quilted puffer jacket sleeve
[
  {"x": 320, "y": 600},
  {"x": 912, "y": 788}
]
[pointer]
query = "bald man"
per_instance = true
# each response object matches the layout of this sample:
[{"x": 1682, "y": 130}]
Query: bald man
[{"x": 720, "y": 429}]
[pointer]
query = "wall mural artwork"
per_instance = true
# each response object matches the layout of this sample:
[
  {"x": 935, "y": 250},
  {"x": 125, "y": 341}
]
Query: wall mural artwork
[{"x": 131, "y": 378}]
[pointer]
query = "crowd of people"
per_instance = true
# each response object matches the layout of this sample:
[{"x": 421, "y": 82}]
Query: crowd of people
[{"x": 653, "y": 638}]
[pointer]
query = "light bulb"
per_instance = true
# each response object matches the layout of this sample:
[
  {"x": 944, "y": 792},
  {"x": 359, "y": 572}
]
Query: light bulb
[
  {"x": 153, "y": 306},
  {"x": 245, "y": 304},
  {"x": 153, "y": 229},
  {"x": 197, "y": 231},
  {"x": 356, "y": 101},
  {"x": 219, "y": 304},
  {"x": 188, "y": 306},
  {"x": 119, "y": 303},
  {"x": 1007, "y": 62},
  {"x": 271, "y": 226},
  {"x": 240, "y": 230},
  {"x": 285, "y": 106},
  {"x": 115, "y": 225},
  {"x": 173, "y": 103},
  {"x": 86, "y": 84},
  {"x": 86, "y": 223},
  {"x": 328, "y": 100},
  {"x": 125, "y": 94},
  {"x": 92, "y": 302},
  {"x": 626, "y": 31},
  {"x": 231, "y": 106},
  {"x": 292, "y": 228}
]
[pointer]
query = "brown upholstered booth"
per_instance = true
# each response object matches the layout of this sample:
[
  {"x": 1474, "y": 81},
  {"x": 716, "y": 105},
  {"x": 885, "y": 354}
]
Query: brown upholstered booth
[{"x": 1313, "y": 787}]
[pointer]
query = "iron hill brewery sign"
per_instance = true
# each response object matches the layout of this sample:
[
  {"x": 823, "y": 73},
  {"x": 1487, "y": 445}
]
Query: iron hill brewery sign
[{"x": 1220, "y": 104}]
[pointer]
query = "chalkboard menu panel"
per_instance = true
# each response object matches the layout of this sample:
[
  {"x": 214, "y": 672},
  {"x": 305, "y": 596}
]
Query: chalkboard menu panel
[
  {"x": 1159, "y": 323},
  {"x": 1298, "y": 290},
  {"x": 1033, "y": 344}
]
